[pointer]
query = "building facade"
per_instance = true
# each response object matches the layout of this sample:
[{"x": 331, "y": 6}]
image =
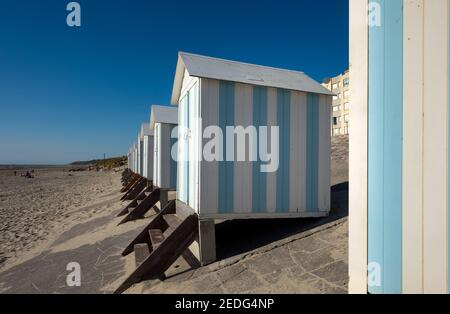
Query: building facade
[{"x": 340, "y": 86}]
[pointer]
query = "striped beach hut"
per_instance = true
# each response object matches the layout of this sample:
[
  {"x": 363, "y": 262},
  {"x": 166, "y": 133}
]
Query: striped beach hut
[
  {"x": 227, "y": 112},
  {"x": 129, "y": 159},
  {"x": 140, "y": 154},
  {"x": 163, "y": 120},
  {"x": 135, "y": 158},
  {"x": 147, "y": 151},
  {"x": 213, "y": 94},
  {"x": 399, "y": 146}
]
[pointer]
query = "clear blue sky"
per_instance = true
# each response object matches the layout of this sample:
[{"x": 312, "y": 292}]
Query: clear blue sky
[{"x": 75, "y": 93}]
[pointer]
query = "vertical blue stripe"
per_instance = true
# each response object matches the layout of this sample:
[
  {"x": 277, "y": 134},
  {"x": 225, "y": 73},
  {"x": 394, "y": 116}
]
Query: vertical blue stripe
[
  {"x": 385, "y": 146},
  {"x": 312, "y": 152},
  {"x": 226, "y": 168},
  {"x": 173, "y": 163},
  {"x": 259, "y": 179},
  {"x": 283, "y": 174}
]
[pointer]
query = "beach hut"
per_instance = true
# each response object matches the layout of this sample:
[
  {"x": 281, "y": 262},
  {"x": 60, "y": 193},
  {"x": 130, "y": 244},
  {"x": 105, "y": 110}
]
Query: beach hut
[
  {"x": 216, "y": 92},
  {"x": 147, "y": 148},
  {"x": 158, "y": 167},
  {"x": 228, "y": 112},
  {"x": 140, "y": 154},
  {"x": 135, "y": 158},
  {"x": 129, "y": 159},
  {"x": 163, "y": 120},
  {"x": 399, "y": 147}
]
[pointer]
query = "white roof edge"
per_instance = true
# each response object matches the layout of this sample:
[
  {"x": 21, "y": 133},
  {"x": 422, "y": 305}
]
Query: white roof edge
[
  {"x": 163, "y": 114},
  {"x": 216, "y": 68},
  {"x": 178, "y": 80},
  {"x": 145, "y": 130}
]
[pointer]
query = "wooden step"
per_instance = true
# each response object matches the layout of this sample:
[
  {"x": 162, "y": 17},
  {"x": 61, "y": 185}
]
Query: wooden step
[
  {"x": 173, "y": 221},
  {"x": 156, "y": 237},
  {"x": 168, "y": 251},
  {"x": 142, "y": 207}
]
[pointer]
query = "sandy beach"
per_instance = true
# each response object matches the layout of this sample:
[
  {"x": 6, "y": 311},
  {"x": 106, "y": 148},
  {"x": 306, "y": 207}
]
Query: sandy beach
[
  {"x": 35, "y": 211},
  {"x": 61, "y": 217}
]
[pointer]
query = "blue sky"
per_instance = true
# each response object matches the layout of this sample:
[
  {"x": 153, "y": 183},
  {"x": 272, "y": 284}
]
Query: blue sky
[{"x": 75, "y": 93}]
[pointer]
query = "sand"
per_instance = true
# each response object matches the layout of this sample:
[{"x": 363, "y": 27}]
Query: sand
[
  {"x": 60, "y": 217},
  {"x": 33, "y": 212}
]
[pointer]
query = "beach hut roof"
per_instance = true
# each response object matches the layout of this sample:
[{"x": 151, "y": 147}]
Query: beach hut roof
[
  {"x": 145, "y": 130},
  {"x": 226, "y": 70},
  {"x": 163, "y": 114}
]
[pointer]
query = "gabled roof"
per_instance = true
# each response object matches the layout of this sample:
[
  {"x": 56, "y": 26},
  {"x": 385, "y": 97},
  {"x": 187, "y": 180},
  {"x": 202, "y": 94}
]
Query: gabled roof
[
  {"x": 226, "y": 70},
  {"x": 145, "y": 130},
  {"x": 163, "y": 114}
]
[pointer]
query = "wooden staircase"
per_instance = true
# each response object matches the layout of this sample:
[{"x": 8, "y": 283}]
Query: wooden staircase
[
  {"x": 126, "y": 175},
  {"x": 135, "y": 189},
  {"x": 130, "y": 183},
  {"x": 168, "y": 236},
  {"x": 144, "y": 202}
]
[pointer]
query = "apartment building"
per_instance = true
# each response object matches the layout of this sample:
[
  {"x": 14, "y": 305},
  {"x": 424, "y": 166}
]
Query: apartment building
[{"x": 339, "y": 85}]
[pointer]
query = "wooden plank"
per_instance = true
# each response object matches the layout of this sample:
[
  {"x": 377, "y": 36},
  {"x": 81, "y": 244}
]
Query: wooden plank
[
  {"x": 147, "y": 191},
  {"x": 358, "y": 147},
  {"x": 130, "y": 184},
  {"x": 135, "y": 182},
  {"x": 172, "y": 222},
  {"x": 165, "y": 255},
  {"x": 137, "y": 189},
  {"x": 435, "y": 146},
  {"x": 157, "y": 223},
  {"x": 413, "y": 147},
  {"x": 143, "y": 207},
  {"x": 156, "y": 237}
]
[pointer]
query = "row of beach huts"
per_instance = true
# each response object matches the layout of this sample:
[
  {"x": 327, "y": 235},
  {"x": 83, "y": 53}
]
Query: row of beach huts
[{"x": 279, "y": 167}]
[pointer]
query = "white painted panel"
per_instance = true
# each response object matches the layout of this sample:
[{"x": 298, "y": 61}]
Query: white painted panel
[
  {"x": 413, "y": 147},
  {"x": 271, "y": 177},
  {"x": 182, "y": 151},
  {"x": 324, "y": 189},
  {"x": 358, "y": 147},
  {"x": 193, "y": 146},
  {"x": 157, "y": 157},
  {"x": 297, "y": 184},
  {"x": 243, "y": 170},
  {"x": 435, "y": 145},
  {"x": 209, "y": 182}
]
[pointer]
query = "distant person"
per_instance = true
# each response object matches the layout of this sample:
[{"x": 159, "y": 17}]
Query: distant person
[
  {"x": 15, "y": 173},
  {"x": 28, "y": 175}
]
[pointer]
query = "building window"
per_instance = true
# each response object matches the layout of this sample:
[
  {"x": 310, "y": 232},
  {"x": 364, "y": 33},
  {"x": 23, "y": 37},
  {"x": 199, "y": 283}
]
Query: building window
[
  {"x": 346, "y": 106},
  {"x": 346, "y": 82},
  {"x": 335, "y": 122},
  {"x": 346, "y": 118},
  {"x": 346, "y": 94},
  {"x": 336, "y": 85}
]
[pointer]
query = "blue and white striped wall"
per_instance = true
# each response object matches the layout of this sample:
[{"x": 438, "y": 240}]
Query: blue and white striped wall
[
  {"x": 399, "y": 146},
  {"x": 232, "y": 189}
]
